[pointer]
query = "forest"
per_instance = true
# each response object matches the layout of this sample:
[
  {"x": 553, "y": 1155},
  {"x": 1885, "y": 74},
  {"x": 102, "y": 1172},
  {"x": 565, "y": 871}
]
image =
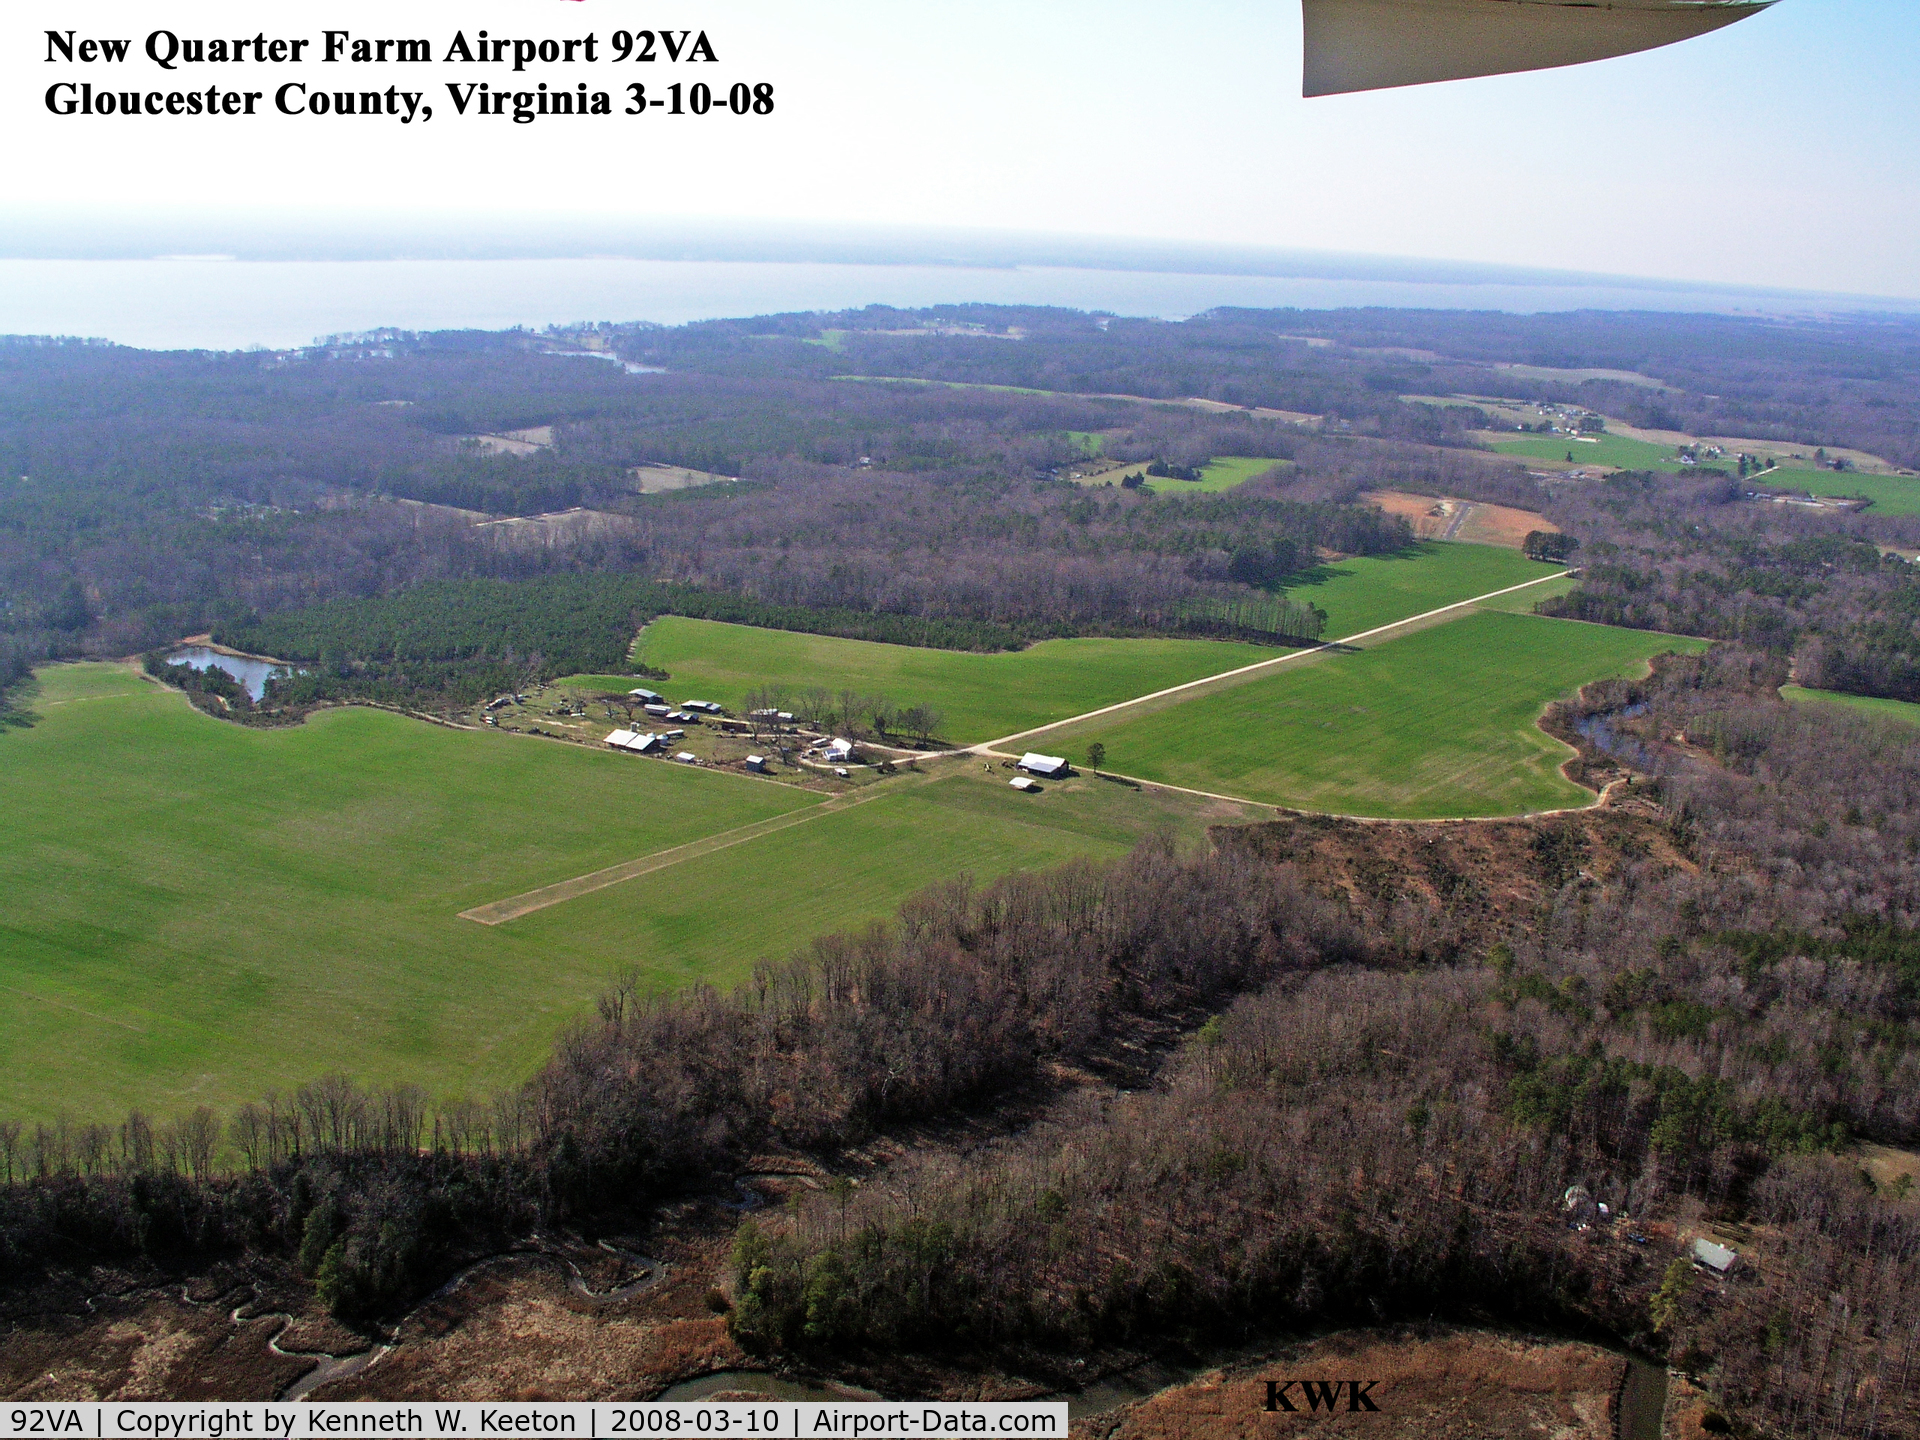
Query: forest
[{"x": 158, "y": 495}]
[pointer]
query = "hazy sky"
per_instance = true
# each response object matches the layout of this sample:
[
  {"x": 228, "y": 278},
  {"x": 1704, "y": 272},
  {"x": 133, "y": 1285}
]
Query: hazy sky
[{"x": 1782, "y": 151}]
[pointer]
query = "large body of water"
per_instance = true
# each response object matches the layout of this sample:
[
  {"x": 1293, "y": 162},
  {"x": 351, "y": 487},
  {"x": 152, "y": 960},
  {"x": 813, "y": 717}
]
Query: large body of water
[{"x": 202, "y": 303}]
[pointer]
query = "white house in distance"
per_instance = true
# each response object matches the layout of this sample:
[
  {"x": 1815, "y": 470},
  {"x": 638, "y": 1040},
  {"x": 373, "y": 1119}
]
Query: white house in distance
[{"x": 1045, "y": 766}]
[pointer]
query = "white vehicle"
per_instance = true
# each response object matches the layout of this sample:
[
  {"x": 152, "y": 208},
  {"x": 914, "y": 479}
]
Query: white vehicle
[{"x": 1378, "y": 44}]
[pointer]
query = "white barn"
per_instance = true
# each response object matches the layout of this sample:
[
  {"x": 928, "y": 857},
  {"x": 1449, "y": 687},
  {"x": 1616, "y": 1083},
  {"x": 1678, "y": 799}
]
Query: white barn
[{"x": 1035, "y": 763}]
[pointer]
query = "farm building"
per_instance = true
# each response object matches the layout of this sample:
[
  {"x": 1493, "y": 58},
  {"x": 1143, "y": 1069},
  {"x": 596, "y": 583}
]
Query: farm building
[
  {"x": 1716, "y": 1258},
  {"x": 838, "y": 749},
  {"x": 646, "y": 697},
  {"x": 658, "y": 711},
  {"x": 1023, "y": 782},
  {"x": 1035, "y": 763},
  {"x": 757, "y": 763},
  {"x": 687, "y": 757},
  {"x": 628, "y": 740}
]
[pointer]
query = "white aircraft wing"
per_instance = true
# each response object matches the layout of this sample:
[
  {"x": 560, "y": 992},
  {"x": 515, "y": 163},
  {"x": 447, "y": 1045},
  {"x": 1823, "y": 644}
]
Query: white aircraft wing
[{"x": 1377, "y": 44}]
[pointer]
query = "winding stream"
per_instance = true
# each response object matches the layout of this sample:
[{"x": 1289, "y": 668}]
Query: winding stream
[{"x": 329, "y": 1367}]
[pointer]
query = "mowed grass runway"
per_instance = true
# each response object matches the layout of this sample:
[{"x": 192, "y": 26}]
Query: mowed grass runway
[
  {"x": 192, "y": 912},
  {"x": 1439, "y": 723},
  {"x": 985, "y": 696}
]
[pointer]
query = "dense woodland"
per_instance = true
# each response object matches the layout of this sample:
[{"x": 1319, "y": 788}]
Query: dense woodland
[{"x": 147, "y": 496}]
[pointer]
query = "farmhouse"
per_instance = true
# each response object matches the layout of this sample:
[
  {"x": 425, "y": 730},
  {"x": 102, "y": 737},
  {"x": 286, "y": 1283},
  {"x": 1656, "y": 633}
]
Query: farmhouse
[
  {"x": 646, "y": 697},
  {"x": 838, "y": 749},
  {"x": 1035, "y": 763},
  {"x": 1716, "y": 1258}
]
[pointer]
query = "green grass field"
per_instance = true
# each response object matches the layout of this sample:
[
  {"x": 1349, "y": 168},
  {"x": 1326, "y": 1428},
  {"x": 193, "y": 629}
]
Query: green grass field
[
  {"x": 1434, "y": 724},
  {"x": 1363, "y": 593},
  {"x": 985, "y": 696},
  {"x": 1874, "y": 705},
  {"x": 1891, "y": 494},
  {"x": 1615, "y": 450},
  {"x": 194, "y": 911},
  {"x": 1223, "y": 473},
  {"x": 981, "y": 696},
  {"x": 1521, "y": 602}
]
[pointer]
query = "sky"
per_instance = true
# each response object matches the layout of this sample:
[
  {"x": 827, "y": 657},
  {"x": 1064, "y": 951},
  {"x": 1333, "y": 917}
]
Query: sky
[{"x": 1782, "y": 151}]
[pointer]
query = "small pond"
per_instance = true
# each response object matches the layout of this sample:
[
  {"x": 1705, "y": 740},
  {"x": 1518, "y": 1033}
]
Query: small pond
[{"x": 252, "y": 673}]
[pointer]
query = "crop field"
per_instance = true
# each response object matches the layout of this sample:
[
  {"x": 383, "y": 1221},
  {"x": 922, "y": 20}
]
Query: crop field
[
  {"x": 195, "y": 912},
  {"x": 980, "y": 696},
  {"x": 1874, "y": 705},
  {"x": 1439, "y": 723}
]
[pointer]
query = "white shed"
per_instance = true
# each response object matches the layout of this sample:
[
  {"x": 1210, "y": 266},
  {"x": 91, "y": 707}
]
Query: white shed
[
  {"x": 1035, "y": 763},
  {"x": 620, "y": 739},
  {"x": 1717, "y": 1258}
]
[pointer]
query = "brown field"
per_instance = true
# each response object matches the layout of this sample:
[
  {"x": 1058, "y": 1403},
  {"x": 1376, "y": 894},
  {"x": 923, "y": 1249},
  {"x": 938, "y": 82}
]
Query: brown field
[
  {"x": 1444, "y": 518},
  {"x": 1102, "y": 471},
  {"x": 654, "y": 479},
  {"x": 1464, "y": 1383}
]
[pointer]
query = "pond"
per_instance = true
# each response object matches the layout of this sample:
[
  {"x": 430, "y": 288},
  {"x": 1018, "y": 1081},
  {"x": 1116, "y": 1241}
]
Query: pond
[{"x": 251, "y": 671}]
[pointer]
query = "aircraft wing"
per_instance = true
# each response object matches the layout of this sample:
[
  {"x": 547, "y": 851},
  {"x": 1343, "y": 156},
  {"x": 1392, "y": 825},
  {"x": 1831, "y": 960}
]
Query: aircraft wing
[{"x": 1377, "y": 44}]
